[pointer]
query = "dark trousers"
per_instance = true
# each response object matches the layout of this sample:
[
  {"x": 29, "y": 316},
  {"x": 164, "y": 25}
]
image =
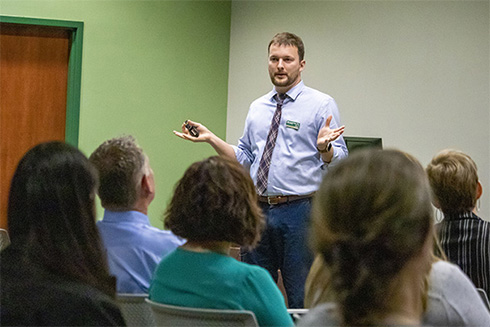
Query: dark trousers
[{"x": 284, "y": 246}]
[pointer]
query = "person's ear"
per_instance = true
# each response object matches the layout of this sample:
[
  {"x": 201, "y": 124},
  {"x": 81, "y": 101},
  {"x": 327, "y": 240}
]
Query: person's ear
[
  {"x": 147, "y": 184},
  {"x": 479, "y": 190},
  {"x": 302, "y": 64},
  {"x": 434, "y": 200}
]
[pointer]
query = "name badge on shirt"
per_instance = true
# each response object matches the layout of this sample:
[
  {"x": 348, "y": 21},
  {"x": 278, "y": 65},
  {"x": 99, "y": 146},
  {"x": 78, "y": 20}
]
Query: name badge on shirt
[{"x": 292, "y": 124}]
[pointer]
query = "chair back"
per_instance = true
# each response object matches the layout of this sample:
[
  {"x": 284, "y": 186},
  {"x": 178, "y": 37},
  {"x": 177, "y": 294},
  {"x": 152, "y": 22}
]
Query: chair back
[
  {"x": 4, "y": 239},
  {"x": 484, "y": 297},
  {"x": 170, "y": 315},
  {"x": 135, "y": 310},
  {"x": 297, "y": 314}
]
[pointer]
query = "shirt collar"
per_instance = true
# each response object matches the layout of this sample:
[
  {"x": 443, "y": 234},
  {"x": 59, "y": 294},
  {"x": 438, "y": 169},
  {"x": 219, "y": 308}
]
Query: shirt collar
[
  {"x": 461, "y": 215},
  {"x": 293, "y": 93},
  {"x": 126, "y": 216}
]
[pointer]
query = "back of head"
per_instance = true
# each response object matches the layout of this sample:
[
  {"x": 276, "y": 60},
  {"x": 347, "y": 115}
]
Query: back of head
[
  {"x": 371, "y": 215},
  {"x": 289, "y": 39},
  {"x": 215, "y": 200},
  {"x": 453, "y": 177},
  {"x": 121, "y": 163},
  {"x": 51, "y": 214}
]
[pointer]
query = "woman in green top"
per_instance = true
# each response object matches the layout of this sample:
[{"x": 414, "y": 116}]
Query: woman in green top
[{"x": 213, "y": 207}]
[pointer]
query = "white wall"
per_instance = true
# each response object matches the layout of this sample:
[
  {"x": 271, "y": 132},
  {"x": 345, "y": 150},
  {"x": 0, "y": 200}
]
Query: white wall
[{"x": 415, "y": 73}]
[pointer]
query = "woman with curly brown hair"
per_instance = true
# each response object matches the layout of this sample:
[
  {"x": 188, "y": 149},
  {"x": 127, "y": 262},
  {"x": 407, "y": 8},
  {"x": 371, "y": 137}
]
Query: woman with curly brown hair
[{"x": 213, "y": 207}]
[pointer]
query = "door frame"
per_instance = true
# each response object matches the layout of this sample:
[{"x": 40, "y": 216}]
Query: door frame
[{"x": 72, "y": 123}]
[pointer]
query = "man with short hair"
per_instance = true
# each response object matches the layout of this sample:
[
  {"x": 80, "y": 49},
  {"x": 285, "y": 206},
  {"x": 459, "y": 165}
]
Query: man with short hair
[
  {"x": 126, "y": 189},
  {"x": 291, "y": 136}
]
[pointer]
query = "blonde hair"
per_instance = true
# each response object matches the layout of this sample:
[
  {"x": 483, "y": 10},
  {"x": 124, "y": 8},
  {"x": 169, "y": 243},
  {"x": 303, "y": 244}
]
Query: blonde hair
[
  {"x": 371, "y": 216},
  {"x": 317, "y": 284},
  {"x": 453, "y": 177}
]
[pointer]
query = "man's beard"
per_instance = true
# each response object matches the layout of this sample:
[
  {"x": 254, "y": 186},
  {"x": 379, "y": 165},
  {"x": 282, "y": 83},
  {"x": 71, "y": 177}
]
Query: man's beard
[{"x": 282, "y": 82}]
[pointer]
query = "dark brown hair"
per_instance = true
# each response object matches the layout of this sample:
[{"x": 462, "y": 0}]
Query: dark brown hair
[
  {"x": 371, "y": 215},
  {"x": 290, "y": 39},
  {"x": 51, "y": 214},
  {"x": 215, "y": 200},
  {"x": 453, "y": 177}
]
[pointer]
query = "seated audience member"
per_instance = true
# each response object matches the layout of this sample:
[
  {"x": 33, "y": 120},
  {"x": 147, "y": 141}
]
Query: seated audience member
[
  {"x": 464, "y": 237},
  {"x": 126, "y": 189},
  {"x": 452, "y": 299},
  {"x": 372, "y": 224},
  {"x": 213, "y": 207},
  {"x": 54, "y": 273}
]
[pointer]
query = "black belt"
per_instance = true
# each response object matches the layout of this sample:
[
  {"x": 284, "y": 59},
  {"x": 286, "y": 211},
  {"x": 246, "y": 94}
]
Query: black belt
[{"x": 278, "y": 199}]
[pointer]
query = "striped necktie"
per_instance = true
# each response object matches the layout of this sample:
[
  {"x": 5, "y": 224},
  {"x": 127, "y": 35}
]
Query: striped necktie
[{"x": 265, "y": 161}]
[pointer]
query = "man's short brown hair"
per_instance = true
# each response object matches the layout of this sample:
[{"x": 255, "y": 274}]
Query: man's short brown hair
[
  {"x": 215, "y": 200},
  {"x": 453, "y": 177},
  {"x": 121, "y": 164},
  {"x": 289, "y": 39}
]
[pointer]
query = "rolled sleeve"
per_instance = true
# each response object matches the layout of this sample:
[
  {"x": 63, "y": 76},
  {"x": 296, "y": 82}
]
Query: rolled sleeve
[{"x": 244, "y": 157}]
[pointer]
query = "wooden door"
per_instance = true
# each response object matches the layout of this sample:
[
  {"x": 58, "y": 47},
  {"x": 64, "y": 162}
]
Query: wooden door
[{"x": 33, "y": 94}]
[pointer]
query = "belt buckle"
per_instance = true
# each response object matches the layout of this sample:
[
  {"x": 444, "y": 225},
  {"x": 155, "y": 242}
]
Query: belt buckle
[{"x": 272, "y": 200}]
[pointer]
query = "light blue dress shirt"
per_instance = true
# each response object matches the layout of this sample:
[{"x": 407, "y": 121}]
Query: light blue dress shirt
[
  {"x": 134, "y": 248},
  {"x": 296, "y": 166}
]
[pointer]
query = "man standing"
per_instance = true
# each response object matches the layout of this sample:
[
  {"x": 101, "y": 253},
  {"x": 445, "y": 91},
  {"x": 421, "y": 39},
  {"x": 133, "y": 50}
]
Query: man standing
[
  {"x": 126, "y": 189},
  {"x": 291, "y": 136}
]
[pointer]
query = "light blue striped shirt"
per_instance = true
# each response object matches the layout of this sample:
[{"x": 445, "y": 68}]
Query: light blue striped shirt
[{"x": 296, "y": 166}]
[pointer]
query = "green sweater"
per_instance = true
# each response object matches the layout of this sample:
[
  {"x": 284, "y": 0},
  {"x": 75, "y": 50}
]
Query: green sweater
[{"x": 215, "y": 281}]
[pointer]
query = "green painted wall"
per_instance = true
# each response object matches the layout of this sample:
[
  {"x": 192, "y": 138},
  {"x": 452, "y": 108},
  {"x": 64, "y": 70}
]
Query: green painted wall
[{"x": 147, "y": 66}]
